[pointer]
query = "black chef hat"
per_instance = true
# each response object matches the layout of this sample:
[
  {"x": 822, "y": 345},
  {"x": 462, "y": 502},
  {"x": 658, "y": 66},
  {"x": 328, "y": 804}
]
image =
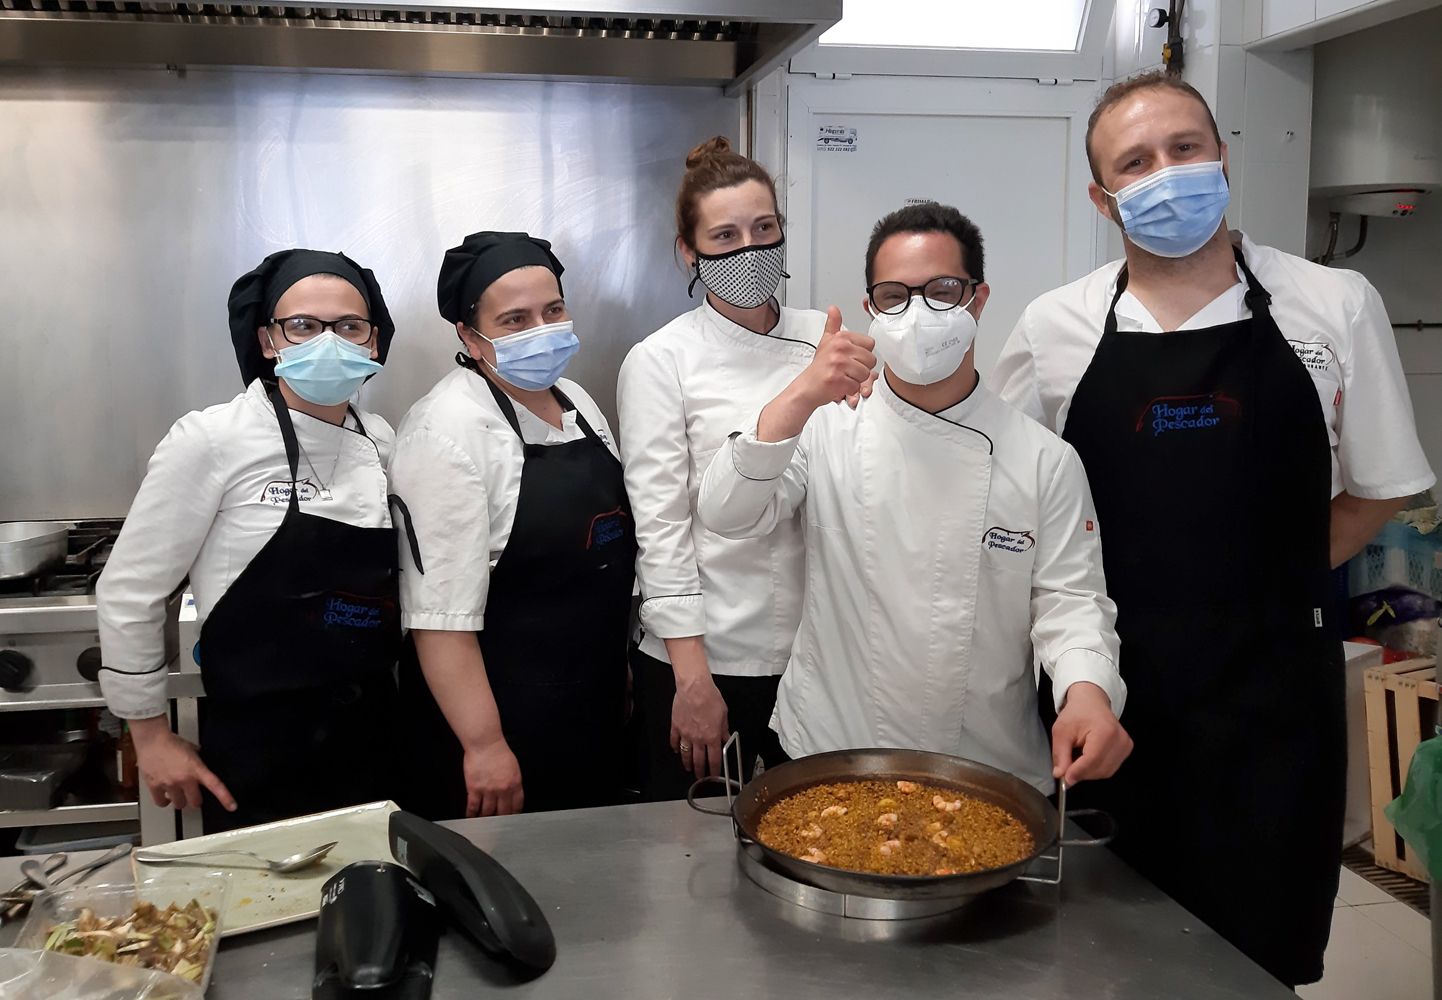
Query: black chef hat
[
  {"x": 254, "y": 295},
  {"x": 469, "y": 269}
]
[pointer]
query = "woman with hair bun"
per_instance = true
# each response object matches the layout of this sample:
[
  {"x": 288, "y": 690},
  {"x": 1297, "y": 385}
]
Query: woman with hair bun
[{"x": 718, "y": 615}]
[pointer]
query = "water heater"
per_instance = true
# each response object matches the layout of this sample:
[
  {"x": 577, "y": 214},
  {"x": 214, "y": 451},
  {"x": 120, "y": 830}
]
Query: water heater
[{"x": 1377, "y": 118}]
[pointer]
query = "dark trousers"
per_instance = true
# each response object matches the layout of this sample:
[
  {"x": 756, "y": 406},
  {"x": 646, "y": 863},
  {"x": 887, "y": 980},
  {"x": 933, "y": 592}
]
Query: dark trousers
[{"x": 749, "y": 703}]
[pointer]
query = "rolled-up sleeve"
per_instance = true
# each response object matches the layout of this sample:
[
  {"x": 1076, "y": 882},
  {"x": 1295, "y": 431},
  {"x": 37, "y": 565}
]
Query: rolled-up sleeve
[
  {"x": 450, "y": 520},
  {"x": 1073, "y": 620},
  {"x": 752, "y": 486},
  {"x": 163, "y": 532},
  {"x": 1378, "y": 450},
  {"x": 657, "y": 459}
]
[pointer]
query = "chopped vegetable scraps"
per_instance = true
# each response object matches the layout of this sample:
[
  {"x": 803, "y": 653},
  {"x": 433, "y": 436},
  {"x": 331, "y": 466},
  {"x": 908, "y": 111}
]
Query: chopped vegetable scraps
[{"x": 176, "y": 940}]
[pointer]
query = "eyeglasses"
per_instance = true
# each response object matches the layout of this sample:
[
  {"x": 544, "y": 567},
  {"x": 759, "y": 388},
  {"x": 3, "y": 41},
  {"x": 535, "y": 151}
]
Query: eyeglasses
[
  {"x": 299, "y": 329},
  {"x": 941, "y": 293}
]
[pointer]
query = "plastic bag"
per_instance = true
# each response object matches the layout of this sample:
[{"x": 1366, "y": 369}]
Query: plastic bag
[
  {"x": 47, "y": 975},
  {"x": 1417, "y": 812}
]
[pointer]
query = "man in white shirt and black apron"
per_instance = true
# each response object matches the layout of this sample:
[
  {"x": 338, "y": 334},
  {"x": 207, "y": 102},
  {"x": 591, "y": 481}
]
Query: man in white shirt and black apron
[{"x": 1202, "y": 382}]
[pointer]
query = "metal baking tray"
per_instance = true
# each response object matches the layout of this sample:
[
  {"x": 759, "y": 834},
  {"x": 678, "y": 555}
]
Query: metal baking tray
[{"x": 259, "y": 899}]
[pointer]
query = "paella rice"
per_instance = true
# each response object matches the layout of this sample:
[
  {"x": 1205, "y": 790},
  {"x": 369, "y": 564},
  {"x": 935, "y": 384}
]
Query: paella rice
[{"x": 895, "y": 828}]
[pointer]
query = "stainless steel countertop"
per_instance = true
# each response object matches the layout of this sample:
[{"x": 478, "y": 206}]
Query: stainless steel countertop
[{"x": 648, "y": 901}]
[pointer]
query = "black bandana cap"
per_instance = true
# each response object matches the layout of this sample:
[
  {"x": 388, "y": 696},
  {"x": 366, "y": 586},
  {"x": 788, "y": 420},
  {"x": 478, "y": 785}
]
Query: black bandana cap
[
  {"x": 471, "y": 268},
  {"x": 254, "y": 295}
]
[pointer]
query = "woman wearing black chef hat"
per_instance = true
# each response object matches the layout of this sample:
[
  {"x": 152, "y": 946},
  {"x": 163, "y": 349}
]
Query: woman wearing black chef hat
[
  {"x": 276, "y": 506},
  {"x": 516, "y": 695}
]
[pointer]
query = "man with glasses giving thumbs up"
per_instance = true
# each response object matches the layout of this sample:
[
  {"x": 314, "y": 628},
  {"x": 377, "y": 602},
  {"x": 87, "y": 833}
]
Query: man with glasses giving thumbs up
[{"x": 947, "y": 535}]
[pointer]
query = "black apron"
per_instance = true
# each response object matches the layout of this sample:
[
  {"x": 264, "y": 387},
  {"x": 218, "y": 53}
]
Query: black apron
[
  {"x": 298, "y": 660},
  {"x": 1208, "y": 458},
  {"x": 557, "y": 616}
]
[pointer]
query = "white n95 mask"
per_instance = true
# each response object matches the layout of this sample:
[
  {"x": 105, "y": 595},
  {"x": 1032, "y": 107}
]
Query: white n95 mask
[{"x": 921, "y": 345}]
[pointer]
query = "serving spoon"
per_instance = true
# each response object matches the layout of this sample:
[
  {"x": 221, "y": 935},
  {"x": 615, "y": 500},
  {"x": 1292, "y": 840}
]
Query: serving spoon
[
  {"x": 38, "y": 872},
  {"x": 284, "y": 866}
]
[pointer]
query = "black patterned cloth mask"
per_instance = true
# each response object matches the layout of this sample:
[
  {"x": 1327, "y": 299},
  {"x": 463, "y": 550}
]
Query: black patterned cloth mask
[{"x": 745, "y": 278}]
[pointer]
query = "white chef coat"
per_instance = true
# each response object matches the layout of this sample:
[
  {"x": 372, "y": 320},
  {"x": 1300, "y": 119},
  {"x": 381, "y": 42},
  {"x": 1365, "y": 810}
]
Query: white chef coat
[
  {"x": 457, "y": 466},
  {"x": 681, "y": 391},
  {"x": 1334, "y": 320},
  {"x": 215, "y": 492},
  {"x": 942, "y": 550}
]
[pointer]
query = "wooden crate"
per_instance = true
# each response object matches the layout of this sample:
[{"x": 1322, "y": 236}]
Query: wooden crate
[{"x": 1401, "y": 711}]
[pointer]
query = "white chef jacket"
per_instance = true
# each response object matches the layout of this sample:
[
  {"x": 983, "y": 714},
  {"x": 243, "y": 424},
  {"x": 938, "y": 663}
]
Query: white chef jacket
[
  {"x": 1334, "y": 320},
  {"x": 215, "y": 492},
  {"x": 942, "y": 550},
  {"x": 457, "y": 466},
  {"x": 681, "y": 391}
]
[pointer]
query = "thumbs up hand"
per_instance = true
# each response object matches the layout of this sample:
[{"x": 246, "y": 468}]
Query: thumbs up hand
[{"x": 842, "y": 369}]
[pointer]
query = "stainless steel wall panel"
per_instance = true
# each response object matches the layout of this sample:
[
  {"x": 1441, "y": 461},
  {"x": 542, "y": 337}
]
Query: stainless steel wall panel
[{"x": 129, "y": 202}]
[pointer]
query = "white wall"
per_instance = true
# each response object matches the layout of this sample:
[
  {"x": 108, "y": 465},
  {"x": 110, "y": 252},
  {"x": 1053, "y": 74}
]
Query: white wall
[{"x": 1402, "y": 257}]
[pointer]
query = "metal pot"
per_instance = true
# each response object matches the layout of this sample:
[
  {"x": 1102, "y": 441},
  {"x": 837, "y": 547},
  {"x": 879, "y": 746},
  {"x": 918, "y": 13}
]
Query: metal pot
[
  {"x": 27, "y": 547},
  {"x": 1042, "y": 820}
]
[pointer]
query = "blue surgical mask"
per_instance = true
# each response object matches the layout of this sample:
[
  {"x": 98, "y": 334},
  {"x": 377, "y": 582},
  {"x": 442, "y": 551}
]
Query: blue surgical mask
[
  {"x": 534, "y": 359},
  {"x": 326, "y": 369},
  {"x": 1174, "y": 211}
]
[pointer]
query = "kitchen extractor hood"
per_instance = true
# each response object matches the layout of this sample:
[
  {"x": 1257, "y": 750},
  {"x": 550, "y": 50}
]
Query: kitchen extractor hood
[{"x": 721, "y": 42}]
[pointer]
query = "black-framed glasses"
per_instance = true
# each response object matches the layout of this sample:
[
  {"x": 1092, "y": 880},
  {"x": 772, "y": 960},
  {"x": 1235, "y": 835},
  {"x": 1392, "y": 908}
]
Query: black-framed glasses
[
  {"x": 299, "y": 329},
  {"x": 940, "y": 293}
]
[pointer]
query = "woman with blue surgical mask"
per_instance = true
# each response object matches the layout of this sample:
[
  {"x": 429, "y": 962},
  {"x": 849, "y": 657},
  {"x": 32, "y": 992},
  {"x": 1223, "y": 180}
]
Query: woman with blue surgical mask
[
  {"x": 276, "y": 506},
  {"x": 519, "y": 566}
]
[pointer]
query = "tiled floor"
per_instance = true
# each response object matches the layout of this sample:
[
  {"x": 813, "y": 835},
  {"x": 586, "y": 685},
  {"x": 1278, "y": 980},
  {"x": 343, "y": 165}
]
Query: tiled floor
[{"x": 1381, "y": 949}]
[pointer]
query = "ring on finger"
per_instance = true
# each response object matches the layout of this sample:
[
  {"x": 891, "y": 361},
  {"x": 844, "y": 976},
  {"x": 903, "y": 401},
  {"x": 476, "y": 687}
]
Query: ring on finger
[{"x": 684, "y": 747}]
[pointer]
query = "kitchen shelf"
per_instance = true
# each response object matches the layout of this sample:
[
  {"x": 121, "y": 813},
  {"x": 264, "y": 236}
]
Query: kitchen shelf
[{"x": 105, "y": 813}]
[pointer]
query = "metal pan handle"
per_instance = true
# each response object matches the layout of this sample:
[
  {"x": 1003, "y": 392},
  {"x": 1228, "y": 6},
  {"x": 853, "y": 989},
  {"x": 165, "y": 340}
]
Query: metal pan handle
[
  {"x": 1062, "y": 843},
  {"x": 700, "y": 783},
  {"x": 731, "y": 784},
  {"x": 1101, "y": 841}
]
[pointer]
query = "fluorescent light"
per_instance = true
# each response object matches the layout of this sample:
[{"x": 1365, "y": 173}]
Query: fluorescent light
[{"x": 1037, "y": 25}]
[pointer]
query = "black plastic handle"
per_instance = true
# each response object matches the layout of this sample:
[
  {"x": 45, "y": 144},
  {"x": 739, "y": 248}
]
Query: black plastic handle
[
  {"x": 475, "y": 891},
  {"x": 376, "y": 937}
]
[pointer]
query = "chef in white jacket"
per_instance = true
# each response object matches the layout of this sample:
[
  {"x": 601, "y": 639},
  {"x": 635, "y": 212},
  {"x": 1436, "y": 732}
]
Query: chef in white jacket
[
  {"x": 1244, "y": 422},
  {"x": 719, "y": 614},
  {"x": 949, "y": 538},
  {"x": 517, "y": 577},
  {"x": 276, "y": 507}
]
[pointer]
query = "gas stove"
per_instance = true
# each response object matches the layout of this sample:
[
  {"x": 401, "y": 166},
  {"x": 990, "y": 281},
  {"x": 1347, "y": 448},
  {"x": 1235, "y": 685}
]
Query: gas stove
[
  {"x": 88, "y": 546},
  {"x": 49, "y": 638},
  {"x": 50, "y": 660}
]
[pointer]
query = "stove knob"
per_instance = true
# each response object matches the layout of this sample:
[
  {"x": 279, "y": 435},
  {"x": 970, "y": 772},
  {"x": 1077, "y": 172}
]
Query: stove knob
[
  {"x": 15, "y": 668},
  {"x": 88, "y": 663}
]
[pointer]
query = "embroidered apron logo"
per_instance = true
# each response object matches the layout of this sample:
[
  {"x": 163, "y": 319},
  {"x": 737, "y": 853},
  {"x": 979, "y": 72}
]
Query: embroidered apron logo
[
  {"x": 1187, "y": 413},
  {"x": 348, "y": 612},
  {"x": 1318, "y": 357},
  {"x": 606, "y": 528},
  {"x": 1009, "y": 541},
  {"x": 277, "y": 492}
]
